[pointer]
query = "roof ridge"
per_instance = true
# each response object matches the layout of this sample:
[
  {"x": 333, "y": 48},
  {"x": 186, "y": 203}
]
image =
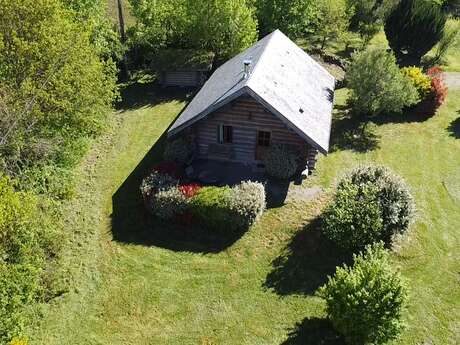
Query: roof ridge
[{"x": 269, "y": 38}]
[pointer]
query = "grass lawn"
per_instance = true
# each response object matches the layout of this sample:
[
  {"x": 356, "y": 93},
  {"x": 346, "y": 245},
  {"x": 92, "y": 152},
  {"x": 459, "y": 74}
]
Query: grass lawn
[{"x": 136, "y": 285}]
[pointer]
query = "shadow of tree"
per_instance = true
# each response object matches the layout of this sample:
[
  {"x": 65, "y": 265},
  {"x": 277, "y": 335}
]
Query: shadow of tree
[
  {"x": 314, "y": 331},
  {"x": 347, "y": 133},
  {"x": 306, "y": 262},
  {"x": 454, "y": 128},
  {"x": 135, "y": 95}
]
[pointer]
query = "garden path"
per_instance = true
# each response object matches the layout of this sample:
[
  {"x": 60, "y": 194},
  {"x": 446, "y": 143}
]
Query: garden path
[{"x": 452, "y": 79}]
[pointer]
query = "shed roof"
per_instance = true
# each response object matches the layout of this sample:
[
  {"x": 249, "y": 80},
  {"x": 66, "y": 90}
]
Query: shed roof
[{"x": 283, "y": 78}]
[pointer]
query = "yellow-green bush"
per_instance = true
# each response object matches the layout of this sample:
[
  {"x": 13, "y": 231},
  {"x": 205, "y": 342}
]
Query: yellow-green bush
[
  {"x": 19, "y": 341},
  {"x": 24, "y": 246},
  {"x": 420, "y": 80}
]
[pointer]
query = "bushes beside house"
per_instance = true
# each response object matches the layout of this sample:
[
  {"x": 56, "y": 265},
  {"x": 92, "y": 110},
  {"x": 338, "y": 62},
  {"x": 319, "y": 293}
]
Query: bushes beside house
[
  {"x": 280, "y": 162},
  {"x": 371, "y": 204},
  {"x": 216, "y": 208}
]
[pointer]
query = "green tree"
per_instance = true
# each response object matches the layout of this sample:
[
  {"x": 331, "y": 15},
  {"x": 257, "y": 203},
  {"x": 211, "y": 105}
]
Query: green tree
[
  {"x": 224, "y": 27},
  {"x": 333, "y": 20},
  {"x": 368, "y": 16},
  {"x": 295, "y": 18},
  {"x": 365, "y": 302},
  {"x": 377, "y": 84},
  {"x": 55, "y": 89},
  {"x": 413, "y": 28}
]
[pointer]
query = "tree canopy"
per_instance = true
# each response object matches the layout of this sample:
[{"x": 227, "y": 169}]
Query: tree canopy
[
  {"x": 222, "y": 27},
  {"x": 296, "y": 18},
  {"x": 54, "y": 86},
  {"x": 413, "y": 27}
]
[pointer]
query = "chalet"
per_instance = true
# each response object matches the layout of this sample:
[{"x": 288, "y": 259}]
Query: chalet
[
  {"x": 272, "y": 93},
  {"x": 182, "y": 67}
]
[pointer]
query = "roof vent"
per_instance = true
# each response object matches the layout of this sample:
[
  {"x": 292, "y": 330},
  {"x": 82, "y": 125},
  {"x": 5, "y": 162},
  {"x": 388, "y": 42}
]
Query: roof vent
[
  {"x": 247, "y": 68},
  {"x": 301, "y": 110}
]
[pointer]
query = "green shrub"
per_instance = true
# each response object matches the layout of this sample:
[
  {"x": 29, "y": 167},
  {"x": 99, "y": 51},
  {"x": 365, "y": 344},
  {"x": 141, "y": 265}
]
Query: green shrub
[
  {"x": 178, "y": 151},
  {"x": 229, "y": 209},
  {"x": 396, "y": 201},
  {"x": 371, "y": 204},
  {"x": 168, "y": 203},
  {"x": 280, "y": 162},
  {"x": 247, "y": 201},
  {"x": 365, "y": 302},
  {"x": 24, "y": 244},
  {"x": 354, "y": 219},
  {"x": 377, "y": 85},
  {"x": 210, "y": 207},
  {"x": 419, "y": 79}
]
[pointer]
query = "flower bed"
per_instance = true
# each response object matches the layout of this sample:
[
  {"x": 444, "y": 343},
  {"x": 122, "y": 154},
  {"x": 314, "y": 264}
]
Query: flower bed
[{"x": 215, "y": 208}]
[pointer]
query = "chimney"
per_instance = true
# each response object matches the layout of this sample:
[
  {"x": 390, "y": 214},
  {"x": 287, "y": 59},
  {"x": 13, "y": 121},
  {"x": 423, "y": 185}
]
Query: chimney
[{"x": 247, "y": 68}]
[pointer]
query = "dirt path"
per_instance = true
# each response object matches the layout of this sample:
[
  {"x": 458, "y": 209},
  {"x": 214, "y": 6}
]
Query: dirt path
[{"x": 452, "y": 79}]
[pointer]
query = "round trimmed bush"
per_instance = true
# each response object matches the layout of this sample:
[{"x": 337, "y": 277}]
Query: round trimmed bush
[
  {"x": 280, "y": 162},
  {"x": 169, "y": 203},
  {"x": 354, "y": 218},
  {"x": 371, "y": 204},
  {"x": 178, "y": 151},
  {"x": 365, "y": 302}
]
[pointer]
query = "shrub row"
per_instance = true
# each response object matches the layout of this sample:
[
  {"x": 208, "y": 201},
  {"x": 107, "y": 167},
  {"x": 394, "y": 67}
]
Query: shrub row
[
  {"x": 217, "y": 208},
  {"x": 371, "y": 204}
]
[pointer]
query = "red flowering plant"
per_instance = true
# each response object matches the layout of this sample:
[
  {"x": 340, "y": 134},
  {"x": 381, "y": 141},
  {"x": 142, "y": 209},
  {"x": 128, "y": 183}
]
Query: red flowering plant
[
  {"x": 438, "y": 87},
  {"x": 190, "y": 189}
]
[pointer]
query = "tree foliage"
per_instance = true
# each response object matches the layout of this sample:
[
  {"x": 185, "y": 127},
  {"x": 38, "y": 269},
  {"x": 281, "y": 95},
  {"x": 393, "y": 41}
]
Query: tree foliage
[
  {"x": 368, "y": 16},
  {"x": 55, "y": 89},
  {"x": 413, "y": 28},
  {"x": 365, "y": 302},
  {"x": 24, "y": 243},
  {"x": 296, "y": 18},
  {"x": 333, "y": 19},
  {"x": 377, "y": 84},
  {"x": 222, "y": 27}
]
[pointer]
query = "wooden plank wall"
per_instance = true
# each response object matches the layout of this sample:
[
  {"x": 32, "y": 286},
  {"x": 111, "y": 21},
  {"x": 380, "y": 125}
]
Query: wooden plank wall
[
  {"x": 181, "y": 78},
  {"x": 246, "y": 116}
]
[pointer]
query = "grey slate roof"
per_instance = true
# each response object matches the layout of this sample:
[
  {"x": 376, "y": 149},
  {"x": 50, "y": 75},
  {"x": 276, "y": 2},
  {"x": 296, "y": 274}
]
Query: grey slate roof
[{"x": 283, "y": 78}]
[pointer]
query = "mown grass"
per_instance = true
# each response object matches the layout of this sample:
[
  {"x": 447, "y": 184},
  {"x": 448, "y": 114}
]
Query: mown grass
[{"x": 131, "y": 290}]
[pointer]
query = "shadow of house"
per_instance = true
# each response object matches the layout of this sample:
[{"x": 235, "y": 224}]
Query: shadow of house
[
  {"x": 305, "y": 263},
  {"x": 314, "y": 331},
  {"x": 454, "y": 128},
  {"x": 131, "y": 223}
]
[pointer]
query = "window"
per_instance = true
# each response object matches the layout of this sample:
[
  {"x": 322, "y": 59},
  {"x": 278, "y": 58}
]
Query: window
[
  {"x": 224, "y": 134},
  {"x": 263, "y": 138}
]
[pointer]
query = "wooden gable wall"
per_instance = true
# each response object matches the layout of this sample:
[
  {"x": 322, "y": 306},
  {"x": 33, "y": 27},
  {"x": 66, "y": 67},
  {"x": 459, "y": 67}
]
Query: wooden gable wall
[{"x": 247, "y": 116}]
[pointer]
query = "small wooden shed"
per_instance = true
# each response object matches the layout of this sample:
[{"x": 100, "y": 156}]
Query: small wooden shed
[
  {"x": 182, "y": 68},
  {"x": 272, "y": 93}
]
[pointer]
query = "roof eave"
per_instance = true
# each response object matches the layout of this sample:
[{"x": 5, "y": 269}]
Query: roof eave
[{"x": 215, "y": 106}]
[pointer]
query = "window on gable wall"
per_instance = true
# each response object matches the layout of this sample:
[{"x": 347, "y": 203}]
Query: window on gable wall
[{"x": 224, "y": 134}]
